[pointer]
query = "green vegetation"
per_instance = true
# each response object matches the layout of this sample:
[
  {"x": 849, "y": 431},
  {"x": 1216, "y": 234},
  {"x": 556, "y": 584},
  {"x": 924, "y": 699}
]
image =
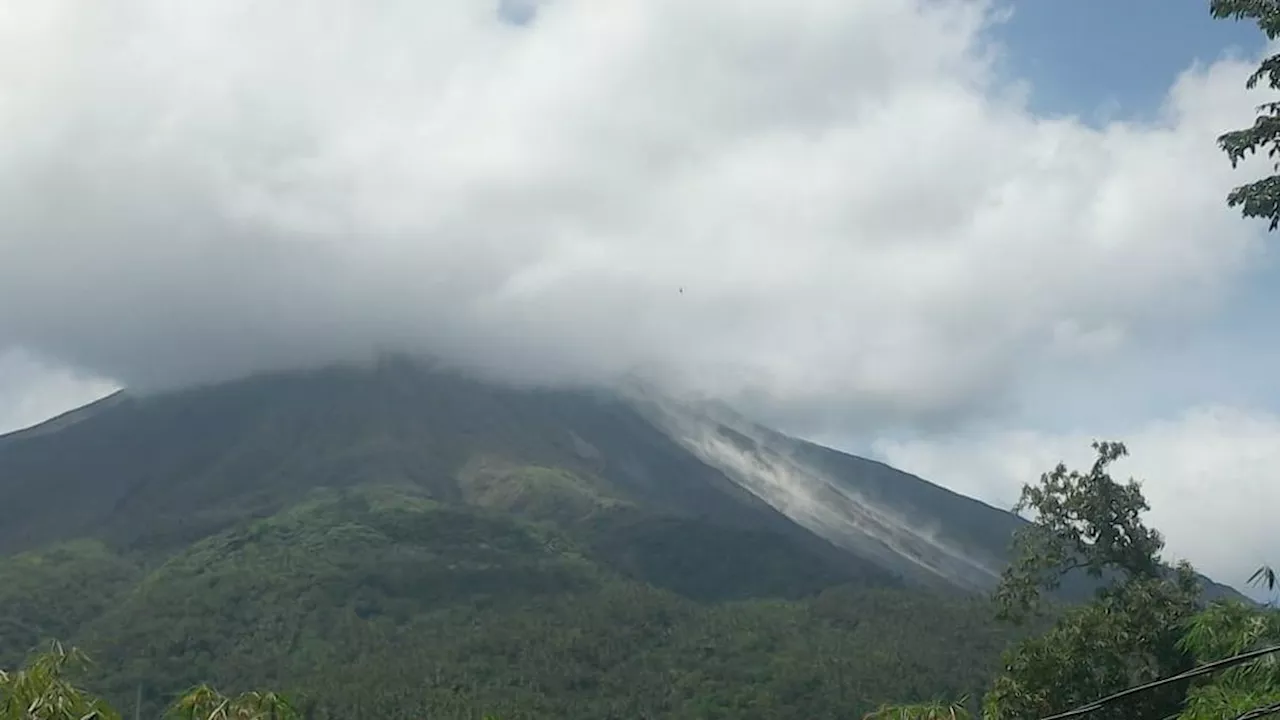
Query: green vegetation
[
  {"x": 394, "y": 547},
  {"x": 1129, "y": 634},
  {"x": 43, "y": 690},
  {"x": 1147, "y": 622},
  {"x": 1260, "y": 198},
  {"x": 396, "y": 542},
  {"x": 380, "y": 602},
  {"x": 52, "y": 593}
]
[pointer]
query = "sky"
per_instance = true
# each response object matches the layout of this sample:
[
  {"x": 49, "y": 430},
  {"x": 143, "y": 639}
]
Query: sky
[{"x": 966, "y": 237}]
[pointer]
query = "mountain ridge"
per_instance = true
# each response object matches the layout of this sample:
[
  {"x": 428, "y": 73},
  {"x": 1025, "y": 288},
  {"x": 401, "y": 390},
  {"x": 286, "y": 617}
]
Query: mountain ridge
[
  {"x": 65, "y": 419},
  {"x": 184, "y": 464}
]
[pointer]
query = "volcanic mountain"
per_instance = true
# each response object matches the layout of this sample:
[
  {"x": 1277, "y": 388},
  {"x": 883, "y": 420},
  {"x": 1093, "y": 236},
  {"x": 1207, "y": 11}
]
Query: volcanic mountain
[
  {"x": 346, "y": 532},
  {"x": 165, "y": 470}
]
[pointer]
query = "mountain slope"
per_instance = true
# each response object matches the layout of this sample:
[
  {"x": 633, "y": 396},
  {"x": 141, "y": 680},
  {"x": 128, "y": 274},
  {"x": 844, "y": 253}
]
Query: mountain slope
[
  {"x": 166, "y": 470},
  {"x": 157, "y": 473},
  {"x": 398, "y": 541},
  {"x": 925, "y": 532},
  {"x": 874, "y": 511},
  {"x": 378, "y": 602}
]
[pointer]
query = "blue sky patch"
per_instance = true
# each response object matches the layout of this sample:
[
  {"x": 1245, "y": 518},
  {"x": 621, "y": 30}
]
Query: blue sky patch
[{"x": 1108, "y": 59}]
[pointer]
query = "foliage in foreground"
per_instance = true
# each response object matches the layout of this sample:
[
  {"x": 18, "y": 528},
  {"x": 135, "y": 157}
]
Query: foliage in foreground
[
  {"x": 42, "y": 690},
  {"x": 205, "y": 703},
  {"x": 1260, "y": 198},
  {"x": 937, "y": 710},
  {"x": 1147, "y": 622}
]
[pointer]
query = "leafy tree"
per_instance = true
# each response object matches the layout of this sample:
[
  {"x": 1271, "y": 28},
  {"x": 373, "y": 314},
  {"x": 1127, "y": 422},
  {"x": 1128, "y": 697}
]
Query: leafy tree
[
  {"x": 1145, "y": 624},
  {"x": 1260, "y": 198},
  {"x": 1082, "y": 522},
  {"x": 1130, "y": 634},
  {"x": 1127, "y": 637}
]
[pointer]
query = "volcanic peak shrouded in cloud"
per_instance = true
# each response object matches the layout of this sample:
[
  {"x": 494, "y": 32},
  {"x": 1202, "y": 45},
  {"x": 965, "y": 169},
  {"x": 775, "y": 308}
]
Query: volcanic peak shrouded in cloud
[{"x": 823, "y": 209}]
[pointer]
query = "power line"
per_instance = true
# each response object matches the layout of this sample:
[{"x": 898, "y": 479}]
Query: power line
[
  {"x": 1263, "y": 711},
  {"x": 1194, "y": 672}
]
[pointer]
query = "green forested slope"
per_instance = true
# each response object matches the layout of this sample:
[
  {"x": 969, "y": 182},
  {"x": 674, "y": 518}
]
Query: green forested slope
[
  {"x": 53, "y": 593},
  {"x": 378, "y": 602},
  {"x": 156, "y": 473},
  {"x": 396, "y": 542}
]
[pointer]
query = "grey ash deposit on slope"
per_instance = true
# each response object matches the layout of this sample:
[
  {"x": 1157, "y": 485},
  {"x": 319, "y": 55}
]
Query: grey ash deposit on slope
[{"x": 870, "y": 509}]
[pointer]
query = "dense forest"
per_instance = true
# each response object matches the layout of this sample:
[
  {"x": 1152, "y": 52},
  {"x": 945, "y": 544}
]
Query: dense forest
[{"x": 376, "y": 603}]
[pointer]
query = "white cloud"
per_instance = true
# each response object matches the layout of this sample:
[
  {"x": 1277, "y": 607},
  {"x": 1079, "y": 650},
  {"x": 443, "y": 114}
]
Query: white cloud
[
  {"x": 867, "y": 227},
  {"x": 1209, "y": 475}
]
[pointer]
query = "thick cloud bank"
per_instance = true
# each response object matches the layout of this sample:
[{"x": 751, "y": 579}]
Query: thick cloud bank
[{"x": 825, "y": 208}]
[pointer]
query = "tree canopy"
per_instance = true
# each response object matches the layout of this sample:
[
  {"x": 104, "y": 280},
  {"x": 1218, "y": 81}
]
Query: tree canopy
[
  {"x": 1147, "y": 625},
  {"x": 1259, "y": 198}
]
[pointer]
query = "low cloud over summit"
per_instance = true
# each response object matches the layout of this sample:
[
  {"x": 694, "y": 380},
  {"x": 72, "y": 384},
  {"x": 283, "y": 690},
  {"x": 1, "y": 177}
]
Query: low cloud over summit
[{"x": 830, "y": 211}]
